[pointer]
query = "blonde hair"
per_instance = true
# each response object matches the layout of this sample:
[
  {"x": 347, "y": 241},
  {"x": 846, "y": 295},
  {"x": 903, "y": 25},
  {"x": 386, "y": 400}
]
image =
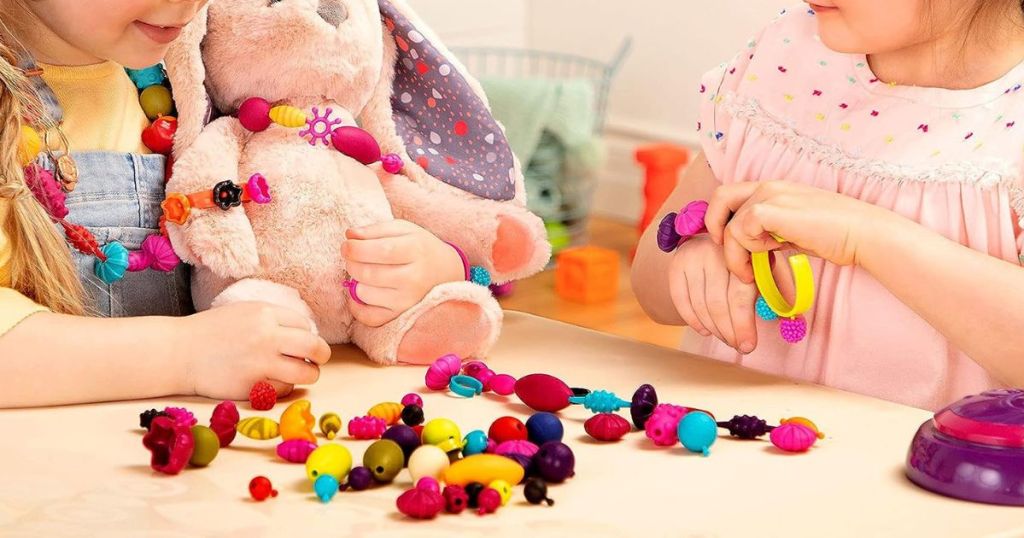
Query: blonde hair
[{"x": 40, "y": 263}]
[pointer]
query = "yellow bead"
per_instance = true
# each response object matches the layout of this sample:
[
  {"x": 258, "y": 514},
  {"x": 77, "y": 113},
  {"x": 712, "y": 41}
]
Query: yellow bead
[
  {"x": 288, "y": 116},
  {"x": 804, "y": 422},
  {"x": 258, "y": 428},
  {"x": 330, "y": 425},
  {"x": 503, "y": 488},
  {"x": 390, "y": 412},
  {"x": 156, "y": 101},
  {"x": 332, "y": 459},
  {"x": 483, "y": 468},
  {"x": 29, "y": 146}
]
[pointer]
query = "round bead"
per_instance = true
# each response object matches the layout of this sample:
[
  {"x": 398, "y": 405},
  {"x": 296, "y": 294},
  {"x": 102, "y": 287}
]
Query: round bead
[
  {"x": 412, "y": 415},
  {"x": 543, "y": 427},
  {"x": 697, "y": 431},
  {"x": 555, "y": 461},
  {"x": 428, "y": 483},
  {"x": 428, "y": 460},
  {"x": 764, "y": 311},
  {"x": 114, "y": 267},
  {"x": 479, "y": 275},
  {"x": 793, "y": 330},
  {"x": 331, "y": 459},
  {"x": 207, "y": 444},
  {"x": 392, "y": 163},
  {"x": 507, "y": 429},
  {"x": 384, "y": 459},
  {"x": 254, "y": 114},
  {"x": 455, "y": 499},
  {"x": 359, "y": 478},
  {"x": 412, "y": 399},
  {"x": 405, "y": 437},
  {"x": 474, "y": 443},
  {"x": 484, "y": 376},
  {"x": 503, "y": 384},
  {"x": 536, "y": 491},
  {"x": 156, "y": 101},
  {"x": 260, "y": 488},
  {"x": 503, "y": 488}
]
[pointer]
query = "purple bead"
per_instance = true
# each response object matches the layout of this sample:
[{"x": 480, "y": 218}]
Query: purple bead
[
  {"x": 405, "y": 437},
  {"x": 645, "y": 399},
  {"x": 412, "y": 399},
  {"x": 668, "y": 238},
  {"x": 555, "y": 461},
  {"x": 746, "y": 427},
  {"x": 525, "y": 462},
  {"x": 359, "y": 478}
]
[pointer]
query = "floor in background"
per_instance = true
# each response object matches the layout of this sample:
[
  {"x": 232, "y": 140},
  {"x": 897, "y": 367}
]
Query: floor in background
[{"x": 622, "y": 317}]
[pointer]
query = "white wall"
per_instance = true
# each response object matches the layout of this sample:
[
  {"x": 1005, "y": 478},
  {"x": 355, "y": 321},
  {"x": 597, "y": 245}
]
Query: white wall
[{"x": 654, "y": 97}]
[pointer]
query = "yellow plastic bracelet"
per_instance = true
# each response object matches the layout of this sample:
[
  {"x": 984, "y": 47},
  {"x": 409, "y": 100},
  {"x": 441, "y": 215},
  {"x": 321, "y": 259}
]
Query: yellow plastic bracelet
[{"x": 803, "y": 279}]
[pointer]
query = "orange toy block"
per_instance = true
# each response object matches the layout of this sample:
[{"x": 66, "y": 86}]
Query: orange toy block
[
  {"x": 662, "y": 163},
  {"x": 587, "y": 274}
]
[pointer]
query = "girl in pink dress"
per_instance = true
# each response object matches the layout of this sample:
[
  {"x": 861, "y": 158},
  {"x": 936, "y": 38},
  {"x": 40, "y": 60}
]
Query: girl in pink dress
[{"x": 884, "y": 138}]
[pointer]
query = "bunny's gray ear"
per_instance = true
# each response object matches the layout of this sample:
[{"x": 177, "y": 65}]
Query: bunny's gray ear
[
  {"x": 187, "y": 73},
  {"x": 446, "y": 127}
]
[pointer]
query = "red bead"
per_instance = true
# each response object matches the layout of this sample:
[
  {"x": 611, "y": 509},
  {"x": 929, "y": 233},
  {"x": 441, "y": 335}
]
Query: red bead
[
  {"x": 356, "y": 143},
  {"x": 606, "y": 427},
  {"x": 260, "y": 488},
  {"x": 543, "y": 392},
  {"x": 159, "y": 136},
  {"x": 455, "y": 499},
  {"x": 508, "y": 429},
  {"x": 254, "y": 114}
]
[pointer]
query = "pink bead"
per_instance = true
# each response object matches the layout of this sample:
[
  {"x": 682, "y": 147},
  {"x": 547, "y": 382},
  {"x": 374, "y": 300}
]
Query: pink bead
[
  {"x": 793, "y": 330},
  {"x": 690, "y": 221},
  {"x": 254, "y": 114},
  {"x": 295, "y": 450},
  {"x": 137, "y": 261},
  {"x": 367, "y": 427},
  {"x": 258, "y": 189},
  {"x": 420, "y": 503},
  {"x": 428, "y": 483},
  {"x": 392, "y": 163},
  {"x": 662, "y": 426},
  {"x": 223, "y": 422},
  {"x": 543, "y": 392},
  {"x": 492, "y": 445},
  {"x": 488, "y": 501},
  {"x": 46, "y": 190},
  {"x": 356, "y": 143},
  {"x": 485, "y": 377},
  {"x": 793, "y": 437},
  {"x": 412, "y": 399},
  {"x": 472, "y": 368},
  {"x": 524, "y": 448},
  {"x": 503, "y": 384},
  {"x": 607, "y": 427},
  {"x": 441, "y": 372},
  {"x": 181, "y": 416},
  {"x": 160, "y": 253}
]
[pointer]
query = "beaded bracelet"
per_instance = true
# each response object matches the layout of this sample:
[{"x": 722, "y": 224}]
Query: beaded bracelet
[
  {"x": 474, "y": 273},
  {"x": 225, "y": 195}
]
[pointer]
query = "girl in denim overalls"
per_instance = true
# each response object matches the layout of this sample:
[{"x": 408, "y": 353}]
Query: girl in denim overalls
[{"x": 136, "y": 345}]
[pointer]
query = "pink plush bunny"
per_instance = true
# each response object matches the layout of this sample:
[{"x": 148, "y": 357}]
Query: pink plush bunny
[{"x": 374, "y": 63}]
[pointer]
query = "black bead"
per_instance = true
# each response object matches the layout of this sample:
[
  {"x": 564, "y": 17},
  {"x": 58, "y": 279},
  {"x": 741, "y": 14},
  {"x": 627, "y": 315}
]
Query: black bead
[
  {"x": 227, "y": 195},
  {"x": 536, "y": 491},
  {"x": 473, "y": 490},
  {"x": 412, "y": 415},
  {"x": 746, "y": 427},
  {"x": 146, "y": 418}
]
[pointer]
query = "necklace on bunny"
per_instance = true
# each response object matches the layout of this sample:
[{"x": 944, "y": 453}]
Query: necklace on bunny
[{"x": 676, "y": 228}]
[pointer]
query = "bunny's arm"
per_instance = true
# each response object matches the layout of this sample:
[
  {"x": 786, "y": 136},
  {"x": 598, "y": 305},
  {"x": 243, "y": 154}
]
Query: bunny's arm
[
  {"x": 222, "y": 241},
  {"x": 503, "y": 237}
]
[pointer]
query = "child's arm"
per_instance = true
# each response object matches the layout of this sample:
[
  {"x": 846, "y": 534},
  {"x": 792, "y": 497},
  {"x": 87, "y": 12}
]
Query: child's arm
[{"x": 53, "y": 359}]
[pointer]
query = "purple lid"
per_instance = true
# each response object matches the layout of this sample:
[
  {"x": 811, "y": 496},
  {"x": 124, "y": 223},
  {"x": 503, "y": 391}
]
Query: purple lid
[{"x": 994, "y": 418}]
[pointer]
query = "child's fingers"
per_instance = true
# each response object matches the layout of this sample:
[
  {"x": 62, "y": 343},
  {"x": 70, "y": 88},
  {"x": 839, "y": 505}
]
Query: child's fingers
[
  {"x": 723, "y": 203},
  {"x": 397, "y": 250},
  {"x": 294, "y": 371},
  {"x": 283, "y": 389},
  {"x": 742, "y": 297},
  {"x": 372, "y": 274},
  {"x": 737, "y": 259},
  {"x": 370, "y": 315},
  {"x": 681, "y": 300},
  {"x": 303, "y": 344},
  {"x": 391, "y": 228},
  {"x": 388, "y": 298},
  {"x": 695, "y": 287},
  {"x": 716, "y": 297},
  {"x": 286, "y": 317}
]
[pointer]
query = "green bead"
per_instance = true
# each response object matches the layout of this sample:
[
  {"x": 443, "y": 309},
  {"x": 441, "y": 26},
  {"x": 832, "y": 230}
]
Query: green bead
[
  {"x": 384, "y": 459},
  {"x": 156, "y": 101},
  {"x": 207, "y": 446}
]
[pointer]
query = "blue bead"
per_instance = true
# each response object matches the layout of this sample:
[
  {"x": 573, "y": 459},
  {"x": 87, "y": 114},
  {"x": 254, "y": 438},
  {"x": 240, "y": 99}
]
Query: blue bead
[
  {"x": 475, "y": 442},
  {"x": 764, "y": 311},
  {"x": 544, "y": 427},
  {"x": 600, "y": 401},
  {"x": 479, "y": 275},
  {"x": 326, "y": 487},
  {"x": 113, "y": 269},
  {"x": 149, "y": 76},
  {"x": 697, "y": 432}
]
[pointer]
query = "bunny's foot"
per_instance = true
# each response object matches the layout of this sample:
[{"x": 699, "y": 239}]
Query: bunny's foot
[
  {"x": 457, "y": 317},
  {"x": 265, "y": 291}
]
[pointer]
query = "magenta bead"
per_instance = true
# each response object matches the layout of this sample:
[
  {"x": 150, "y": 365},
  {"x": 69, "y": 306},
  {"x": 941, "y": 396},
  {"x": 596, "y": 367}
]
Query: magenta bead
[
  {"x": 606, "y": 427},
  {"x": 137, "y": 261},
  {"x": 46, "y": 190},
  {"x": 356, "y": 143},
  {"x": 159, "y": 253},
  {"x": 295, "y": 450},
  {"x": 485, "y": 377},
  {"x": 412, "y": 399},
  {"x": 181, "y": 416},
  {"x": 793, "y": 330},
  {"x": 442, "y": 371},
  {"x": 392, "y": 163},
  {"x": 492, "y": 445},
  {"x": 542, "y": 392},
  {"x": 503, "y": 384},
  {"x": 428, "y": 483},
  {"x": 472, "y": 368},
  {"x": 793, "y": 437},
  {"x": 254, "y": 114},
  {"x": 524, "y": 448},
  {"x": 662, "y": 425},
  {"x": 690, "y": 221},
  {"x": 367, "y": 427},
  {"x": 258, "y": 189}
]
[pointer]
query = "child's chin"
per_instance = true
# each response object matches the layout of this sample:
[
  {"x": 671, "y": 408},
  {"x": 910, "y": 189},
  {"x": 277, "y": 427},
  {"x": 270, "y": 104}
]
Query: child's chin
[
  {"x": 141, "y": 57},
  {"x": 836, "y": 36}
]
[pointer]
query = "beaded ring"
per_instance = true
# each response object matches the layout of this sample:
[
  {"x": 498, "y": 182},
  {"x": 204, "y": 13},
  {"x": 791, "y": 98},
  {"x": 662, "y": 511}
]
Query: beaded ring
[{"x": 465, "y": 386}]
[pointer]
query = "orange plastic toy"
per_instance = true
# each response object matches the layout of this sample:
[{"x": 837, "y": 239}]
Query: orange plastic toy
[
  {"x": 587, "y": 274},
  {"x": 662, "y": 163}
]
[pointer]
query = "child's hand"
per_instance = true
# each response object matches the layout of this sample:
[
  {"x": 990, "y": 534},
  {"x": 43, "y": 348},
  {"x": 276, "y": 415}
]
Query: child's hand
[
  {"x": 825, "y": 224},
  {"x": 708, "y": 298},
  {"x": 396, "y": 264},
  {"x": 232, "y": 347}
]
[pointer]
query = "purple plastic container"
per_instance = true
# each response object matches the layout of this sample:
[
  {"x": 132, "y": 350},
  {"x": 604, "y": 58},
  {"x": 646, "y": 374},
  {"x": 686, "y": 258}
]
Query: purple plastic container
[{"x": 973, "y": 449}]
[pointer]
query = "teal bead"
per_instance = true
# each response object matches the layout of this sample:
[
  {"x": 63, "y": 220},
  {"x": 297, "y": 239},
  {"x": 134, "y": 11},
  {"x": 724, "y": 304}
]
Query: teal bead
[
  {"x": 764, "y": 311},
  {"x": 146, "y": 77},
  {"x": 113, "y": 269},
  {"x": 479, "y": 275},
  {"x": 474, "y": 443},
  {"x": 697, "y": 432},
  {"x": 325, "y": 487},
  {"x": 600, "y": 401}
]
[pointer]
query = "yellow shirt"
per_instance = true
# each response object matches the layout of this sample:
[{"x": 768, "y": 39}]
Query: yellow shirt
[{"x": 101, "y": 113}]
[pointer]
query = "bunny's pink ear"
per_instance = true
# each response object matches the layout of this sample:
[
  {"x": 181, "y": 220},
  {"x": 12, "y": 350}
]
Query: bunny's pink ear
[{"x": 446, "y": 127}]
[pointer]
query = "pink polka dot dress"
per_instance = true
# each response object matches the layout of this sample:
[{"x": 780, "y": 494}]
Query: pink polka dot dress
[{"x": 789, "y": 108}]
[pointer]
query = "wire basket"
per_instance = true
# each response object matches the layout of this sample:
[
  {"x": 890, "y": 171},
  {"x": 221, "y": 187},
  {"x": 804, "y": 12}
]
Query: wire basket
[{"x": 567, "y": 225}]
